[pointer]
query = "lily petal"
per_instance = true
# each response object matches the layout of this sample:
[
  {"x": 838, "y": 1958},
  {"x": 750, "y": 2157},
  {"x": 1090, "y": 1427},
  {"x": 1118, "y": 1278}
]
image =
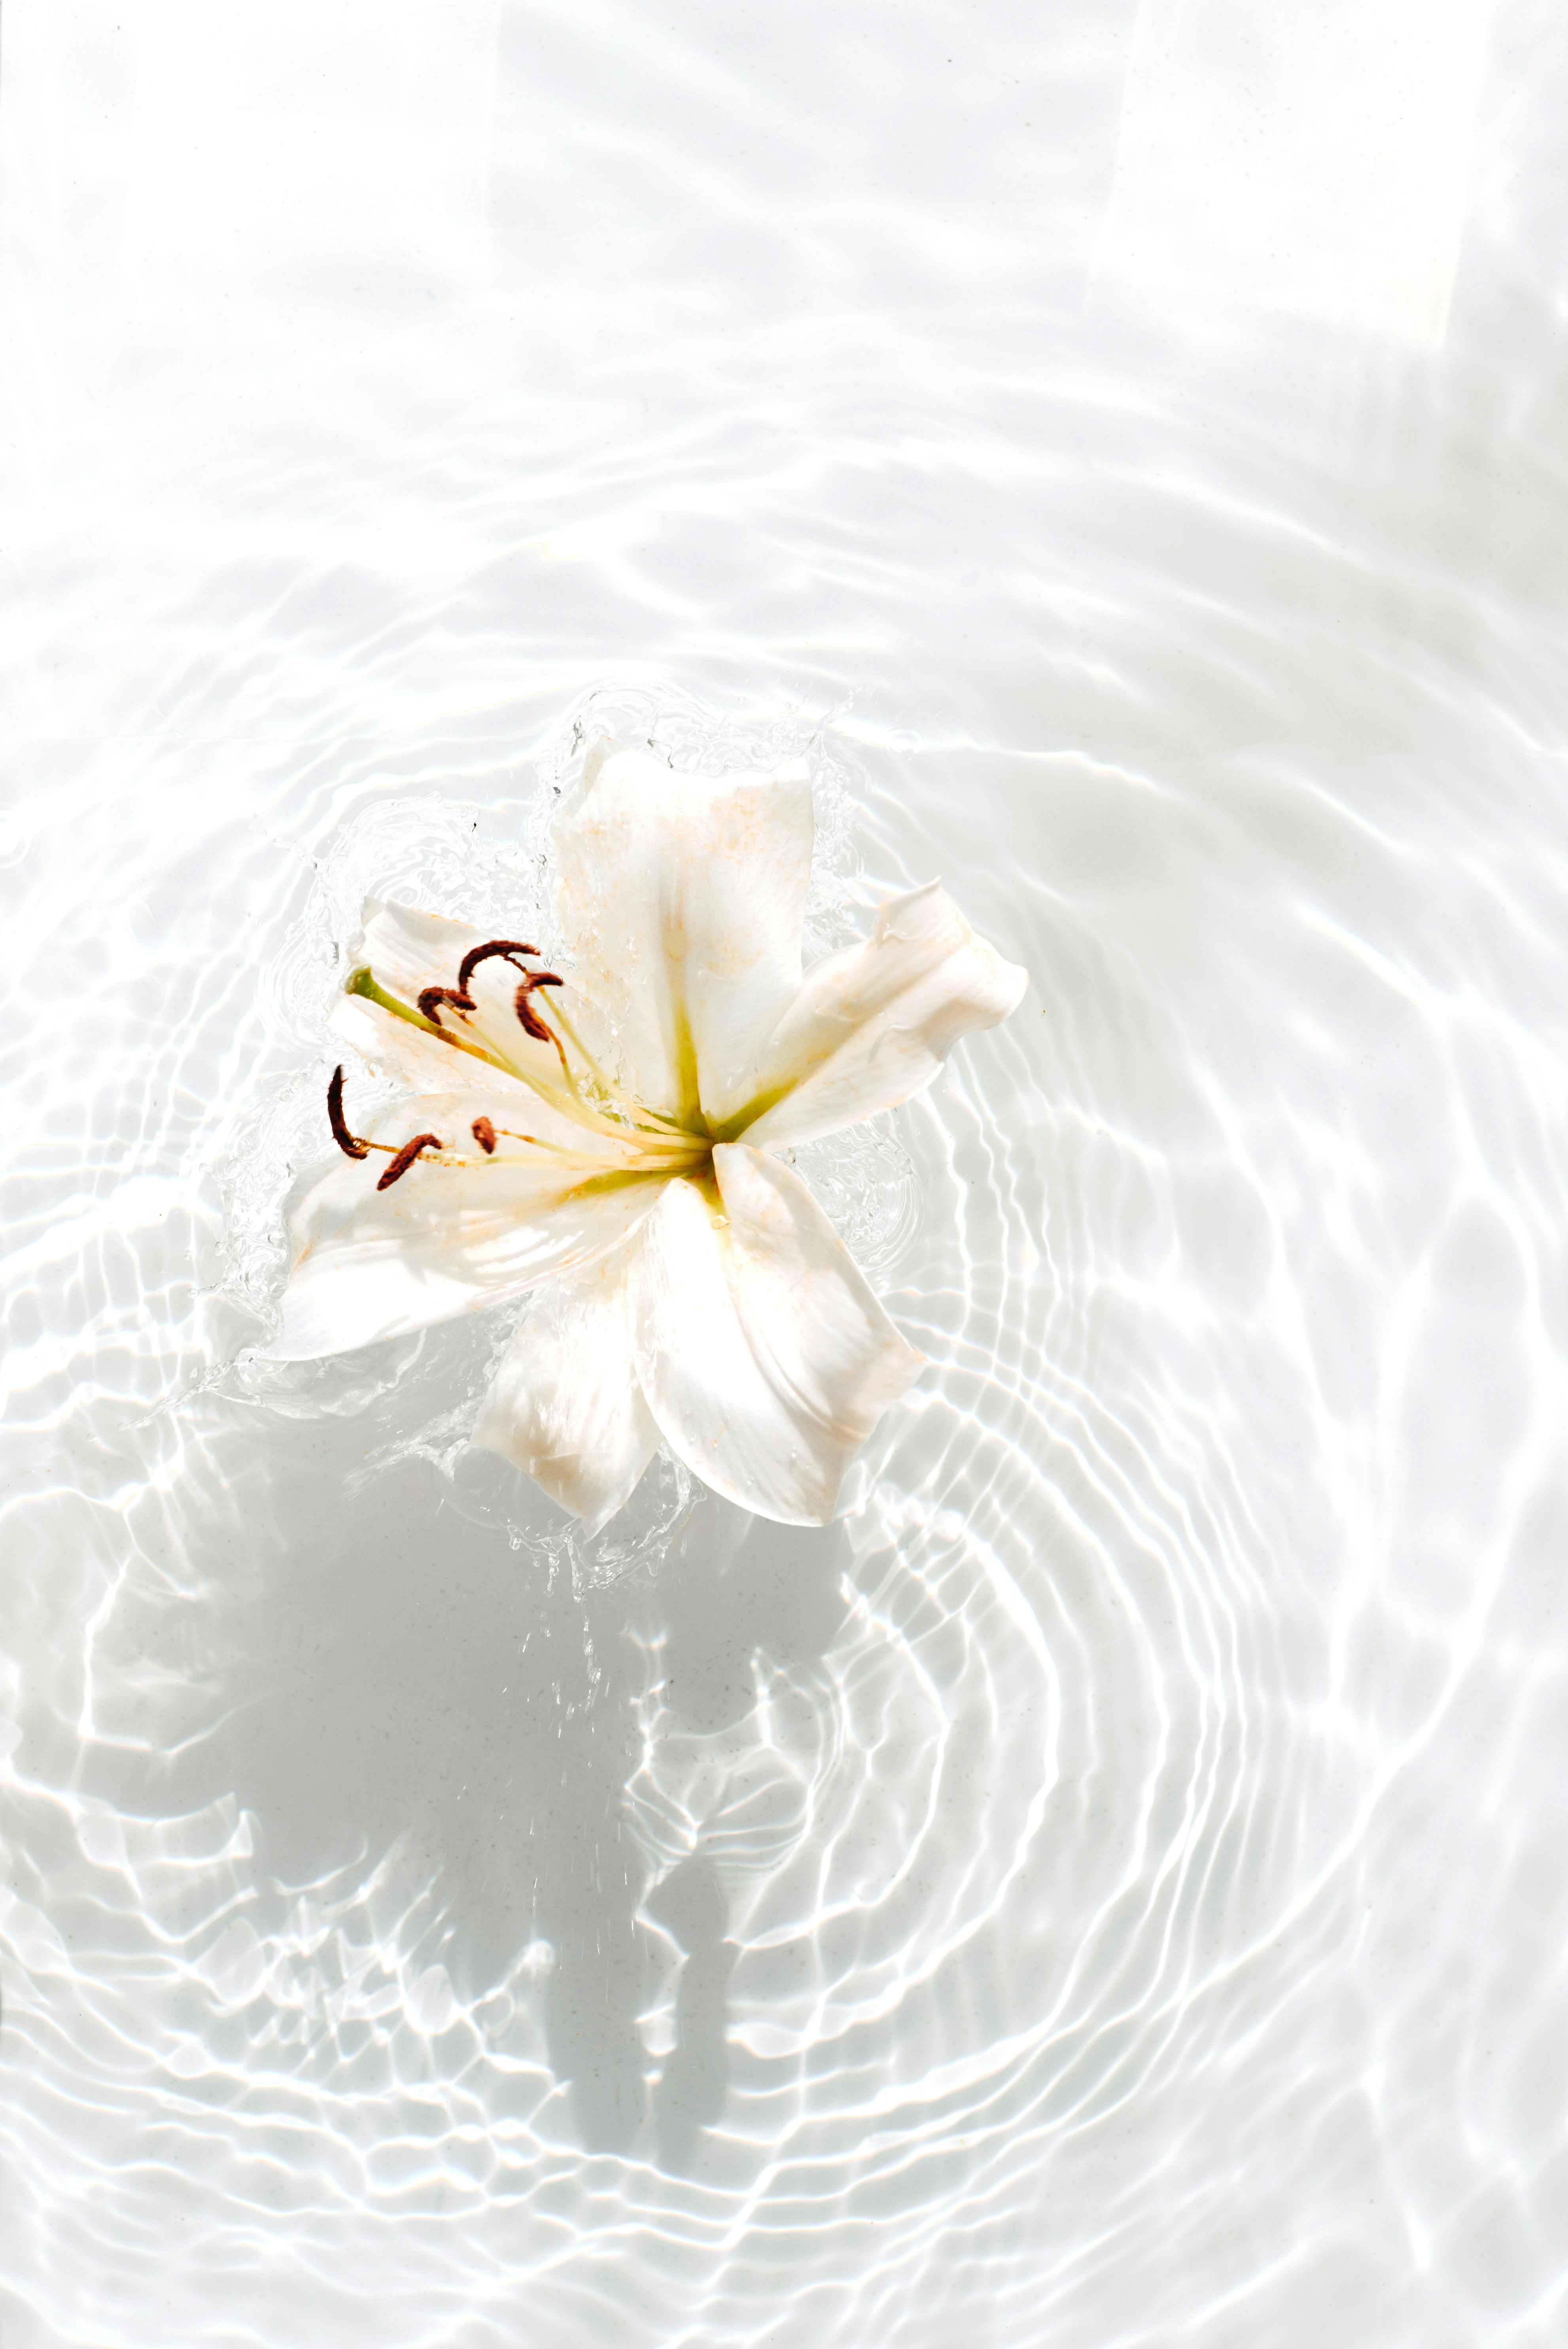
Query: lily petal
[
  {"x": 565, "y": 1404},
  {"x": 763, "y": 1355},
  {"x": 681, "y": 898},
  {"x": 873, "y": 1024},
  {"x": 444, "y": 1239}
]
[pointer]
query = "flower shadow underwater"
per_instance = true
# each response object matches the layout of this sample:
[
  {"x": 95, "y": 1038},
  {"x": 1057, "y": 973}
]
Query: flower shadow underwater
[{"x": 395, "y": 1688}]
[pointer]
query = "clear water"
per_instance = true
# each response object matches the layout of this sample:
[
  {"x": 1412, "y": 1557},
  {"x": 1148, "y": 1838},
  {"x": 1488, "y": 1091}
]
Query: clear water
[{"x": 1109, "y": 1889}]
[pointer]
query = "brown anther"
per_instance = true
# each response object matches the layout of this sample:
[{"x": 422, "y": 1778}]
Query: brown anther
[
  {"x": 430, "y": 1000},
  {"x": 406, "y": 1157},
  {"x": 509, "y": 947},
  {"x": 532, "y": 1024},
  {"x": 350, "y": 1145},
  {"x": 484, "y": 1134}
]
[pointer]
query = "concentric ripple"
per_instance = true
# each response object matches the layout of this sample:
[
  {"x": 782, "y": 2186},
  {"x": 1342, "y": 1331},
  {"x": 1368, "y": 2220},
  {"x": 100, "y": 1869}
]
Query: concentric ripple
[
  {"x": 819, "y": 1929},
  {"x": 1105, "y": 1890}
]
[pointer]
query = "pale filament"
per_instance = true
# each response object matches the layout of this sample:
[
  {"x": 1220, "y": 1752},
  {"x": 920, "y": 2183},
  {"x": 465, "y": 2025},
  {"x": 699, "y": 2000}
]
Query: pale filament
[{"x": 570, "y": 1105}]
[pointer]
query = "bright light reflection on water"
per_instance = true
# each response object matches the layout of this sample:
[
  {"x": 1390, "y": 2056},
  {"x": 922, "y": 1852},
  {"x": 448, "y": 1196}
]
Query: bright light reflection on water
[{"x": 1108, "y": 1889}]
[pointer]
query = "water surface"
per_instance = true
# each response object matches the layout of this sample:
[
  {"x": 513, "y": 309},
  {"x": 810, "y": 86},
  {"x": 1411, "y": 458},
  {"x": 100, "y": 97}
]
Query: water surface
[{"x": 1108, "y": 1889}]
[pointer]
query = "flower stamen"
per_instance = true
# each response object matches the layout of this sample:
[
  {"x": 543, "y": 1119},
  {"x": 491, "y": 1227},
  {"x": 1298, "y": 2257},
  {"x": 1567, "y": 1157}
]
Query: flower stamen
[
  {"x": 510, "y": 949},
  {"x": 532, "y": 1024},
  {"x": 405, "y": 1158},
  {"x": 431, "y": 999},
  {"x": 349, "y": 1144},
  {"x": 483, "y": 1132},
  {"x": 351, "y": 1147},
  {"x": 569, "y": 1103}
]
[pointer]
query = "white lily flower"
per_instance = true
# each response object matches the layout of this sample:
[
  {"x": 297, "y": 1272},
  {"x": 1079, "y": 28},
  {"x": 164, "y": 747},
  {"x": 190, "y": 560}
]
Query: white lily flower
[{"x": 609, "y": 1136}]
